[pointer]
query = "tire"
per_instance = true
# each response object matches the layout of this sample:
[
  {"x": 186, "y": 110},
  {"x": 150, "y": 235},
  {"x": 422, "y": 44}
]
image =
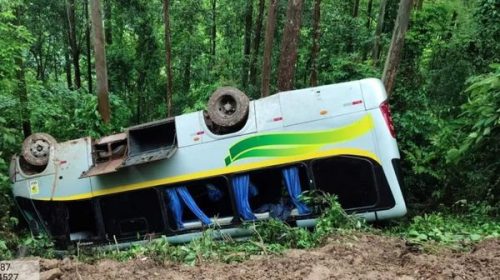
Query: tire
[
  {"x": 36, "y": 148},
  {"x": 228, "y": 107}
]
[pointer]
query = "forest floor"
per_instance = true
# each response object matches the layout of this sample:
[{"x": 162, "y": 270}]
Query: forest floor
[{"x": 363, "y": 256}]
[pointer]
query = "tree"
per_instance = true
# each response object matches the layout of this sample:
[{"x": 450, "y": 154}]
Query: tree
[
  {"x": 247, "y": 43},
  {"x": 168, "y": 55},
  {"x": 256, "y": 43},
  {"x": 378, "y": 31},
  {"x": 396, "y": 48},
  {"x": 75, "y": 50},
  {"x": 100, "y": 61},
  {"x": 21, "y": 84},
  {"x": 213, "y": 34},
  {"x": 369, "y": 14},
  {"x": 87, "y": 41},
  {"x": 289, "y": 43},
  {"x": 315, "y": 46},
  {"x": 268, "y": 47}
]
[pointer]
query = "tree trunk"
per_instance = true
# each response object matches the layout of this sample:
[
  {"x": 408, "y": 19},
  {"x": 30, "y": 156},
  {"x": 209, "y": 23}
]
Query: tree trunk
[
  {"x": 396, "y": 47},
  {"x": 101, "y": 70},
  {"x": 315, "y": 46},
  {"x": 23, "y": 97},
  {"x": 256, "y": 44},
  {"x": 87, "y": 40},
  {"x": 67, "y": 67},
  {"x": 214, "y": 28},
  {"x": 289, "y": 42},
  {"x": 378, "y": 32},
  {"x": 168, "y": 55},
  {"x": 355, "y": 9},
  {"x": 75, "y": 51},
  {"x": 21, "y": 86},
  {"x": 246, "y": 48},
  {"x": 108, "y": 28},
  {"x": 369, "y": 15},
  {"x": 268, "y": 47}
]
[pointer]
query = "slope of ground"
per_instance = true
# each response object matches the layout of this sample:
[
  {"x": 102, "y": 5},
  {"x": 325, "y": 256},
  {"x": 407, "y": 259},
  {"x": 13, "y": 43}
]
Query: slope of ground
[{"x": 359, "y": 257}]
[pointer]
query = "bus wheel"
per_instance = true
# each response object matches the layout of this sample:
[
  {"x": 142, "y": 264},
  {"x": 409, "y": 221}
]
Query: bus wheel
[
  {"x": 228, "y": 107},
  {"x": 36, "y": 148}
]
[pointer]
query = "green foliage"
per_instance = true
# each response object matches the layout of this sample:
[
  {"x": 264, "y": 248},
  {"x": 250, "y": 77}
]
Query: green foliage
[
  {"x": 268, "y": 237},
  {"x": 451, "y": 229}
]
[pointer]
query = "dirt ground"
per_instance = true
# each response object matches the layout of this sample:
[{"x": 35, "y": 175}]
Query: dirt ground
[{"x": 361, "y": 257}]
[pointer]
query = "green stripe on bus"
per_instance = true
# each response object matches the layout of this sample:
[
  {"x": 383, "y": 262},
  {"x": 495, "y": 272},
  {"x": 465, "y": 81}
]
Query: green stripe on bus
[{"x": 245, "y": 147}]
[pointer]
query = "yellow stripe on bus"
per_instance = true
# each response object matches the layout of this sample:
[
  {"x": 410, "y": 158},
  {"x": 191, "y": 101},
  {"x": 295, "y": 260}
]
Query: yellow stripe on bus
[{"x": 216, "y": 172}]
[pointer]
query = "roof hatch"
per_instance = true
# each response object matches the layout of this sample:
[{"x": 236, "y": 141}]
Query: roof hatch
[{"x": 138, "y": 145}]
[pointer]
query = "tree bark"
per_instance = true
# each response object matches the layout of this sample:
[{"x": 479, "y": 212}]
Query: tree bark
[
  {"x": 355, "y": 9},
  {"x": 378, "y": 32},
  {"x": 315, "y": 46},
  {"x": 87, "y": 40},
  {"x": 75, "y": 51},
  {"x": 369, "y": 15},
  {"x": 268, "y": 47},
  {"x": 21, "y": 86},
  {"x": 100, "y": 61},
  {"x": 396, "y": 47},
  {"x": 67, "y": 67},
  {"x": 248, "y": 39},
  {"x": 214, "y": 29},
  {"x": 289, "y": 43},
  {"x": 168, "y": 55},
  {"x": 256, "y": 43}
]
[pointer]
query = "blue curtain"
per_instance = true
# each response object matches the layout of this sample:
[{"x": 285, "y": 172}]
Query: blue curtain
[
  {"x": 191, "y": 204},
  {"x": 292, "y": 181},
  {"x": 175, "y": 207},
  {"x": 241, "y": 189}
]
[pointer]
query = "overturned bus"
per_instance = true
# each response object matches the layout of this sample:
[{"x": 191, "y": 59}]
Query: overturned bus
[{"x": 237, "y": 161}]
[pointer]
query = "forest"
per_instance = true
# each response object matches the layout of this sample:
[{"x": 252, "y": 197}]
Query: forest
[{"x": 93, "y": 67}]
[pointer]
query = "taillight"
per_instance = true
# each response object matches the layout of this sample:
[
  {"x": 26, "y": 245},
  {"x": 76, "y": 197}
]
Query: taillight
[{"x": 386, "y": 112}]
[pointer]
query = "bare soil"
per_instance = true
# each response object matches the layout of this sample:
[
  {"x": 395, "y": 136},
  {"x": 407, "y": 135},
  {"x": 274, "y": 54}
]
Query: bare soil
[{"x": 355, "y": 257}]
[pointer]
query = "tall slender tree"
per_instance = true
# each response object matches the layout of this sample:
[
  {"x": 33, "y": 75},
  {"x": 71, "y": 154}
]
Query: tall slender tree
[
  {"x": 75, "y": 50},
  {"x": 87, "y": 41},
  {"x": 213, "y": 37},
  {"x": 355, "y": 8},
  {"x": 168, "y": 55},
  {"x": 369, "y": 14},
  {"x": 396, "y": 48},
  {"x": 247, "y": 43},
  {"x": 289, "y": 43},
  {"x": 100, "y": 61},
  {"x": 268, "y": 47},
  {"x": 21, "y": 84},
  {"x": 315, "y": 46},
  {"x": 378, "y": 32},
  {"x": 256, "y": 43}
]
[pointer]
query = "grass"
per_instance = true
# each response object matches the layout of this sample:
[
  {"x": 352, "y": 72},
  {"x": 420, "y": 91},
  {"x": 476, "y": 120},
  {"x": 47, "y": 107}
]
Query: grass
[{"x": 271, "y": 237}]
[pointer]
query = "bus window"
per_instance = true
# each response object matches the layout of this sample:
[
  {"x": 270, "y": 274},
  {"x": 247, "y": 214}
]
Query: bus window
[
  {"x": 199, "y": 202},
  {"x": 269, "y": 191},
  {"x": 352, "y": 179},
  {"x": 131, "y": 214}
]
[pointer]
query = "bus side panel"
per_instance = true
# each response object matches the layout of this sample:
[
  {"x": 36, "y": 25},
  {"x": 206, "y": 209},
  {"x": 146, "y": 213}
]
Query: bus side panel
[{"x": 387, "y": 150}]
